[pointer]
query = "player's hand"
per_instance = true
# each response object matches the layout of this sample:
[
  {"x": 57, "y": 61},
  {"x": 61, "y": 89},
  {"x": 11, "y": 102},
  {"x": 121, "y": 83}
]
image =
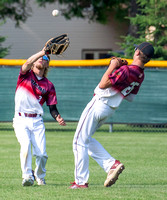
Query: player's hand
[
  {"x": 118, "y": 62},
  {"x": 60, "y": 120}
]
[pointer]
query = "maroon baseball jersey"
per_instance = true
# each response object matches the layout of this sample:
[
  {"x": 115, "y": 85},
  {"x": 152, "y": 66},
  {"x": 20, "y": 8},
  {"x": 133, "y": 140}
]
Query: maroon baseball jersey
[
  {"x": 32, "y": 92},
  {"x": 127, "y": 79}
]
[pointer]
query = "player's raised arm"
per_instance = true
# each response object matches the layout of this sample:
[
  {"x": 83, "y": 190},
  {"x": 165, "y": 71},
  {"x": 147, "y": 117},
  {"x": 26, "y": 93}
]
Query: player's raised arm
[
  {"x": 30, "y": 61},
  {"x": 114, "y": 64}
]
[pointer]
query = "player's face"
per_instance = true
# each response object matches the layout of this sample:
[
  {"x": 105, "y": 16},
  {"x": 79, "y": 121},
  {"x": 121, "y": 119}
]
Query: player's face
[
  {"x": 40, "y": 65},
  {"x": 42, "y": 62}
]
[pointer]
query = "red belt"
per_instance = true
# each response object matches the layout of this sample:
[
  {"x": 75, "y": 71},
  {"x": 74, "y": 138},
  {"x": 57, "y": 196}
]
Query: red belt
[{"x": 29, "y": 115}]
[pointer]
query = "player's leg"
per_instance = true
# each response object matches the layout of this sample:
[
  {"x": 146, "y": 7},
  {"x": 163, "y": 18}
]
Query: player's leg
[
  {"x": 22, "y": 133},
  {"x": 80, "y": 143},
  {"x": 39, "y": 149},
  {"x": 100, "y": 155},
  {"x": 96, "y": 150}
]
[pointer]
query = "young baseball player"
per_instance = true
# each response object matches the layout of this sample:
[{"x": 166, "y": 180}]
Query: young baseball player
[
  {"x": 32, "y": 91},
  {"x": 118, "y": 82}
]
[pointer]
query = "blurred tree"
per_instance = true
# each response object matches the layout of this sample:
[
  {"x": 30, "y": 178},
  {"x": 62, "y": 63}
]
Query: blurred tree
[
  {"x": 3, "y": 50},
  {"x": 147, "y": 18},
  {"x": 150, "y": 24},
  {"x": 94, "y": 10},
  {"x": 17, "y": 10}
]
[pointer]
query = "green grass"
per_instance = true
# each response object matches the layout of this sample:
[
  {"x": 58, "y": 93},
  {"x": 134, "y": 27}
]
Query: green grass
[{"x": 143, "y": 154}]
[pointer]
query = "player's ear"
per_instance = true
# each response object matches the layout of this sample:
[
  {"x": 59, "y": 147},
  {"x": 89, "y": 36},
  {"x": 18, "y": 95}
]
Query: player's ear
[{"x": 137, "y": 52}]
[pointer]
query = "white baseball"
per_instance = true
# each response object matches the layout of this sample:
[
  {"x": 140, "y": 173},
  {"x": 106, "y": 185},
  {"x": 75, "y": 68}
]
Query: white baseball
[{"x": 55, "y": 13}]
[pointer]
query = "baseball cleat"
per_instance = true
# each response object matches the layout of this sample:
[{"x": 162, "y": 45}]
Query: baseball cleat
[
  {"x": 40, "y": 181},
  {"x": 76, "y": 186},
  {"x": 113, "y": 174},
  {"x": 27, "y": 182}
]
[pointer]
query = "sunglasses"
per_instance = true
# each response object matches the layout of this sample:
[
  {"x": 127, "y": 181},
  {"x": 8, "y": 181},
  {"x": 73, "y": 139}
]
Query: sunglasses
[
  {"x": 45, "y": 58},
  {"x": 135, "y": 49}
]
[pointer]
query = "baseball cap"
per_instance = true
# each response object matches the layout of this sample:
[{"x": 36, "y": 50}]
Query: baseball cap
[{"x": 146, "y": 48}]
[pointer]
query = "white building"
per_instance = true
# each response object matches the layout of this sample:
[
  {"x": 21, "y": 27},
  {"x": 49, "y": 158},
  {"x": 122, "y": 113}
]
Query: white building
[{"x": 87, "y": 40}]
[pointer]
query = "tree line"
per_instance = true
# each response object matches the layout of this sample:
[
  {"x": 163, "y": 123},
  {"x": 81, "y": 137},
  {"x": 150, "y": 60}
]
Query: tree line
[{"x": 146, "y": 19}]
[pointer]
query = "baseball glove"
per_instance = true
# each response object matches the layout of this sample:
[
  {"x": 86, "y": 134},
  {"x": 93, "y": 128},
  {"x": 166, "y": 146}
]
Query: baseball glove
[
  {"x": 121, "y": 62},
  {"x": 57, "y": 45}
]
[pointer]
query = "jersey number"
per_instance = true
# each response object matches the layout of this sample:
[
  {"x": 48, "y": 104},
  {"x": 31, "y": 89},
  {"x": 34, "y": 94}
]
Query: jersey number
[
  {"x": 128, "y": 89},
  {"x": 39, "y": 99}
]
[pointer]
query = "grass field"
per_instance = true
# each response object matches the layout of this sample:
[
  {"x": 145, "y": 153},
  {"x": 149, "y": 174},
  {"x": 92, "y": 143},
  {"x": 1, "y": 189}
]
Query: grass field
[{"x": 143, "y": 154}]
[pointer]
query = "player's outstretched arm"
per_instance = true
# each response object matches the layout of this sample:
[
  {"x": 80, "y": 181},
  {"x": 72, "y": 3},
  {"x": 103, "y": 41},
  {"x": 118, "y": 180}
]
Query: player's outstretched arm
[
  {"x": 105, "y": 81},
  {"x": 29, "y": 63}
]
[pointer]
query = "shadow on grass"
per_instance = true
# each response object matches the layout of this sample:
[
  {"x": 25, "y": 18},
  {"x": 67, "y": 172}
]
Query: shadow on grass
[{"x": 6, "y": 129}]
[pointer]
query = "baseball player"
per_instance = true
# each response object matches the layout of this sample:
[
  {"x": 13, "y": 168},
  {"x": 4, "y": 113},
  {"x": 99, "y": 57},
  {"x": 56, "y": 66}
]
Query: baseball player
[
  {"x": 32, "y": 91},
  {"x": 120, "y": 81}
]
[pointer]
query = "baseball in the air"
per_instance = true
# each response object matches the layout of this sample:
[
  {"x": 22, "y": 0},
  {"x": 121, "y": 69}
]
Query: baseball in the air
[{"x": 55, "y": 13}]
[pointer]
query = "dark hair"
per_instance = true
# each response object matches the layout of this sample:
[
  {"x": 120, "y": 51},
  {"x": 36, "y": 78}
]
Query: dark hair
[
  {"x": 146, "y": 51},
  {"x": 143, "y": 57}
]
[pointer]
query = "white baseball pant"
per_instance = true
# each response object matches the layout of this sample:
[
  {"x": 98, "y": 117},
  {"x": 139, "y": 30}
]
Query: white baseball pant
[
  {"x": 93, "y": 116},
  {"x": 31, "y": 131}
]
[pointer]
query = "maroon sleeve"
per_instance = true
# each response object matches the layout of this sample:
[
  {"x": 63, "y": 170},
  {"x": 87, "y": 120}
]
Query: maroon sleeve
[
  {"x": 22, "y": 76},
  {"x": 51, "y": 99},
  {"x": 119, "y": 76}
]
